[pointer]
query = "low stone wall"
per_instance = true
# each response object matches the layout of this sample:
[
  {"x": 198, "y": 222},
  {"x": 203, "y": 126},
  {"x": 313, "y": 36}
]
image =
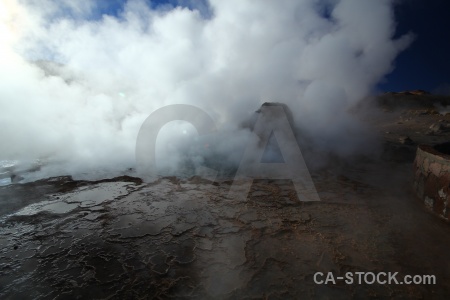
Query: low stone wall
[{"x": 432, "y": 178}]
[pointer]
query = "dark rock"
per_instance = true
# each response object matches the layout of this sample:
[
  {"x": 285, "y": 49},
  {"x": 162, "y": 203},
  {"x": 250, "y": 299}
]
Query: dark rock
[
  {"x": 406, "y": 140},
  {"x": 16, "y": 178},
  {"x": 439, "y": 127},
  {"x": 305, "y": 217}
]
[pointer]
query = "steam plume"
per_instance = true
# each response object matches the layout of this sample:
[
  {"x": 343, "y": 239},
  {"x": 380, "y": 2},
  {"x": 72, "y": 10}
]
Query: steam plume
[{"x": 75, "y": 86}]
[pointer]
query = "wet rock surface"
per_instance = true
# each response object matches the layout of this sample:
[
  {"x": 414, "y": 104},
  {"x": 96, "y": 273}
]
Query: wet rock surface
[
  {"x": 178, "y": 238},
  {"x": 187, "y": 239}
]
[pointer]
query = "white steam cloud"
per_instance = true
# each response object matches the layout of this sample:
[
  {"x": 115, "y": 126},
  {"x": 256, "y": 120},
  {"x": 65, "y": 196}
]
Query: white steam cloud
[{"x": 76, "y": 87}]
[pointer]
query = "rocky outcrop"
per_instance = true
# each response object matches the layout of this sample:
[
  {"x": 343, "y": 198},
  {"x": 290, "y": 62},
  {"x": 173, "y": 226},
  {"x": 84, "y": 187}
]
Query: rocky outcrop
[{"x": 432, "y": 178}]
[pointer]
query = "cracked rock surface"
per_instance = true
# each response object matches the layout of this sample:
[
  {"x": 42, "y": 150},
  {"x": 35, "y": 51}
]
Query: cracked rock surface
[{"x": 174, "y": 238}]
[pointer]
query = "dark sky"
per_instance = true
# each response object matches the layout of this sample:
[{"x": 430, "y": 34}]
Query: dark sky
[{"x": 424, "y": 65}]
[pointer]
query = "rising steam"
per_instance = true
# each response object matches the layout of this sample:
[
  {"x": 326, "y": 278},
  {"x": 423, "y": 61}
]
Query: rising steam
[{"x": 76, "y": 85}]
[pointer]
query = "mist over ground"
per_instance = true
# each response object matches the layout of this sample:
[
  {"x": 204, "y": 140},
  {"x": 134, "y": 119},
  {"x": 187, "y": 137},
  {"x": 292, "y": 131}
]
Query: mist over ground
[{"x": 76, "y": 85}]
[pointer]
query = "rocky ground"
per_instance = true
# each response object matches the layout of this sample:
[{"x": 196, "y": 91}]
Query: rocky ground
[{"x": 173, "y": 238}]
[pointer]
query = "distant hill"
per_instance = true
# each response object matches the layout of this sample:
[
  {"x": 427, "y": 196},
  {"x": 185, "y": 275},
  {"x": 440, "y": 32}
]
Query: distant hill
[
  {"x": 406, "y": 93},
  {"x": 413, "y": 99}
]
